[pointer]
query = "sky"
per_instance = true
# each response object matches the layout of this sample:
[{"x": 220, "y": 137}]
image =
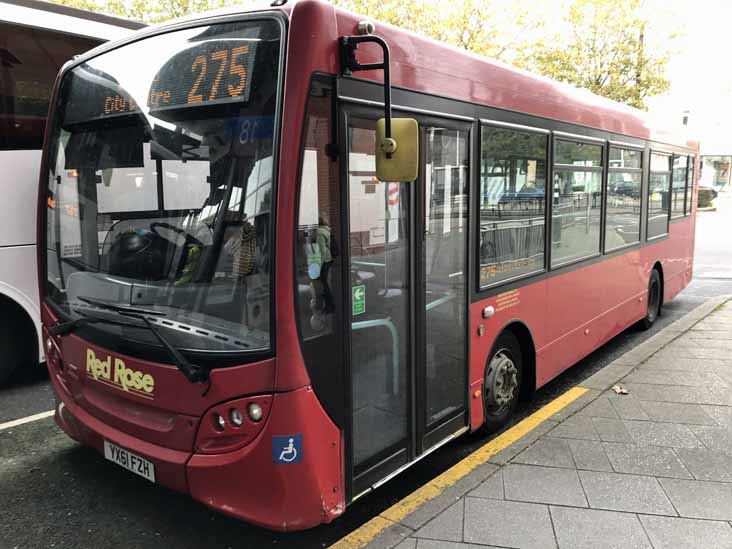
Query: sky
[{"x": 700, "y": 71}]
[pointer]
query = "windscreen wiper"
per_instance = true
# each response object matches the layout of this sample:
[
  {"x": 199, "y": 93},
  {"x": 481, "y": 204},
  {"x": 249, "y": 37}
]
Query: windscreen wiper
[
  {"x": 192, "y": 372},
  {"x": 118, "y": 308},
  {"x": 65, "y": 328}
]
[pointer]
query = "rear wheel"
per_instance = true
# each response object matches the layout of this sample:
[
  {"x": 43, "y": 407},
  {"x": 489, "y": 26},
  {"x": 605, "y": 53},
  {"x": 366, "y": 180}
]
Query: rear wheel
[
  {"x": 654, "y": 300},
  {"x": 502, "y": 382}
]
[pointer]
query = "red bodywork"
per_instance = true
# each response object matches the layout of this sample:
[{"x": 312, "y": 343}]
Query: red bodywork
[{"x": 235, "y": 472}]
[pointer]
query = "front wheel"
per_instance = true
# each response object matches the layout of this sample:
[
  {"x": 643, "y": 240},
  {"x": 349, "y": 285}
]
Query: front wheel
[
  {"x": 654, "y": 300},
  {"x": 502, "y": 382}
]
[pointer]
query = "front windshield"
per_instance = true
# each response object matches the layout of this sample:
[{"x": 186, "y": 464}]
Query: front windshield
[{"x": 160, "y": 184}]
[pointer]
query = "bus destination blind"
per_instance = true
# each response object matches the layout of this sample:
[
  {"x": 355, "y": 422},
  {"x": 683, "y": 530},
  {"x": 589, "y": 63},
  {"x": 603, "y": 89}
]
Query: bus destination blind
[{"x": 216, "y": 71}]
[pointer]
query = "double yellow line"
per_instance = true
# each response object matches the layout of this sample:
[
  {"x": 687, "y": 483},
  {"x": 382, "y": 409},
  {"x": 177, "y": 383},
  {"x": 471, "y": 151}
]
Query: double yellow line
[{"x": 397, "y": 512}]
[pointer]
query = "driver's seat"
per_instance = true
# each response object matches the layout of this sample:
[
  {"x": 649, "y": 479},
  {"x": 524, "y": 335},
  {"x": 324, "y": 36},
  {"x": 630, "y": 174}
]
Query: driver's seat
[{"x": 139, "y": 249}]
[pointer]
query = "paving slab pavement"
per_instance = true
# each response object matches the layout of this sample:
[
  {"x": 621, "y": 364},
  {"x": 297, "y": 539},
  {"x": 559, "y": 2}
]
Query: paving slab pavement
[{"x": 652, "y": 468}]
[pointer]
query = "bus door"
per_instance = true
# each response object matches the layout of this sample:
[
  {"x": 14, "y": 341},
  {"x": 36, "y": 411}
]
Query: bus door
[{"x": 406, "y": 267}]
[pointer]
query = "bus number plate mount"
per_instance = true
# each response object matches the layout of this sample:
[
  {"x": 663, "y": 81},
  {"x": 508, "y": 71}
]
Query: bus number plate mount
[{"x": 132, "y": 462}]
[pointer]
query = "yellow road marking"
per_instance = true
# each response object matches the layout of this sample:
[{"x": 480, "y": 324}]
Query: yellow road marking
[
  {"x": 28, "y": 419},
  {"x": 367, "y": 532}
]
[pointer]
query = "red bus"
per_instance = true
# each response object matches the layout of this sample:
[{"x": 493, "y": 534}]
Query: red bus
[{"x": 237, "y": 307}]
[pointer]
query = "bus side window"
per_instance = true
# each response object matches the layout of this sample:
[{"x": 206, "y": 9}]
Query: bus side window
[
  {"x": 623, "y": 210},
  {"x": 659, "y": 187},
  {"x": 678, "y": 185},
  {"x": 512, "y": 203},
  {"x": 577, "y": 206},
  {"x": 318, "y": 293},
  {"x": 316, "y": 247}
]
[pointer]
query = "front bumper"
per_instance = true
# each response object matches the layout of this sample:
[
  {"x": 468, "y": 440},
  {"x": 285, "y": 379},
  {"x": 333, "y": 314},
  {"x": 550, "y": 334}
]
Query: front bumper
[
  {"x": 248, "y": 483},
  {"x": 170, "y": 465}
]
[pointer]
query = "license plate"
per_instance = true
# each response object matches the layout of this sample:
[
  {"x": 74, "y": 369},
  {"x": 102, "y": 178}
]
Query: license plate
[{"x": 128, "y": 460}]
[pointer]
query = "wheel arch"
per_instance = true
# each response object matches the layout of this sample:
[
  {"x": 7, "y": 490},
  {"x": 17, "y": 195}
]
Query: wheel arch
[
  {"x": 18, "y": 304},
  {"x": 657, "y": 266}
]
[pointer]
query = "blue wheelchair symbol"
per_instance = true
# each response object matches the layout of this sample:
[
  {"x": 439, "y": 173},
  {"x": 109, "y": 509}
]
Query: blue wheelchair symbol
[{"x": 287, "y": 449}]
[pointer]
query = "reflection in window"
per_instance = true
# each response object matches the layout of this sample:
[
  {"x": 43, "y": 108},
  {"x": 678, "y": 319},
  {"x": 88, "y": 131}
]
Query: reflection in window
[
  {"x": 446, "y": 155},
  {"x": 186, "y": 184},
  {"x": 658, "y": 195},
  {"x": 678, "y": 185},
  {"x": 379, "y": 273},
  {"x": 577, "y": 154},
  {"x": 625, "y": 158},
  {"x": 512, "y": 203},
  {"x": 316, "y": 248},
  {"x": 128, "y": 189},
  {"x": 577, "y": 201},
  {"x": 622, "y": 226}
]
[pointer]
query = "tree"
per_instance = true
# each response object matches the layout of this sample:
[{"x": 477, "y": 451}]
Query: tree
[
  {"x": 494, "y": 28},
  {"x": 605, "y": 49},
  {"x": 609, "y": 47},
  {"x": 89, "y": 5},
  {"x": 149, "y": 11},
  {"x": 156, "y": 11}
]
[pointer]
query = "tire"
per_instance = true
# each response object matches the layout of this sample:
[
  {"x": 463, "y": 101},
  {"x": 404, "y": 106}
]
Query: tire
[
  {"x": 655, "y": 300},
  {"x": 502, "y": 382},
  {"x": 10, "y": 346}
]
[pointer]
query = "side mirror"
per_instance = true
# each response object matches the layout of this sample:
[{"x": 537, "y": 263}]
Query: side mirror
[{"x": 397, "y": 158}]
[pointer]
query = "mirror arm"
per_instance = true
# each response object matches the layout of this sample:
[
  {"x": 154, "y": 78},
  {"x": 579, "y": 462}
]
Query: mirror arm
[{"x": 349, "y": 65}]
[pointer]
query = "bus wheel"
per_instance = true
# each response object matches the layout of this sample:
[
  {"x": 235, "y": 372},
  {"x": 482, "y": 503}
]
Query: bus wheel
[
  {"x": 654, "y": 300},
  {"x": 502, "y": 382}
]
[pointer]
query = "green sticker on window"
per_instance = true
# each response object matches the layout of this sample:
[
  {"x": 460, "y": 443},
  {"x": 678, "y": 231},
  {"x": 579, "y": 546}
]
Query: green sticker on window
[{"x": 358, "y": 300}]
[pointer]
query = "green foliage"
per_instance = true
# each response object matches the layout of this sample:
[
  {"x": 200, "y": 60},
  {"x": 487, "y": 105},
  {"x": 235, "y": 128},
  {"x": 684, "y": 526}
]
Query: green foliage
[
  {"x": 491, "y": 28},
  {"x": 149, "y": 11},
  {"x": 161, "y": 10},
  {"x": 605, "y": 50},
  {"x": 90, "y": 5},
  {"x": 602, "y": 45}
]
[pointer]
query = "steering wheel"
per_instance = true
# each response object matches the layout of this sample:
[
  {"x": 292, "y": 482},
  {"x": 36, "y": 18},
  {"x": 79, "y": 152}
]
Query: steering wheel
[{"x": 189, "y": 237}]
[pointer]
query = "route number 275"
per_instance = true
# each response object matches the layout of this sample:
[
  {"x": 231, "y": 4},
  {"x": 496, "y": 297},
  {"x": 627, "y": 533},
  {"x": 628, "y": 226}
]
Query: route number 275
[{"x": 236, "y": 78}]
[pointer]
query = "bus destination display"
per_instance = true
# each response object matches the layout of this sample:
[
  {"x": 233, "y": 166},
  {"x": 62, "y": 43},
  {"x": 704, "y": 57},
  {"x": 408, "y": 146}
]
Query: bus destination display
[{"x": 216, "y": 71}]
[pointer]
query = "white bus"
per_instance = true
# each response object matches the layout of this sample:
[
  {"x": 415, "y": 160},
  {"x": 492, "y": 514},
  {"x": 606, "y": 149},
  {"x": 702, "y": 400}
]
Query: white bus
[{"x": 36, "y": 39}]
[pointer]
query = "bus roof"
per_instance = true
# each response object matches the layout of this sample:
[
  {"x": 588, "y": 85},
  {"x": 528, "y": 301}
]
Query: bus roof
[
  {"x": 433, "y": 67},
  {"x": 423, "y": 64},
  {"x": 65, "y": 19}
]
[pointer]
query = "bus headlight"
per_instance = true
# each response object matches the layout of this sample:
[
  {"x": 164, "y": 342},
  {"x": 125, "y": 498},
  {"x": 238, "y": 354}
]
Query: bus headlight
[
  {"x": 233, "y": 424},
  {"x": 255, "y": 411},
  {"x": 236, "y": 417}
]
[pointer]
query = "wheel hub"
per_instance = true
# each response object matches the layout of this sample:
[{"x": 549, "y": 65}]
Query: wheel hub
[{"x": 501, "y": 382}]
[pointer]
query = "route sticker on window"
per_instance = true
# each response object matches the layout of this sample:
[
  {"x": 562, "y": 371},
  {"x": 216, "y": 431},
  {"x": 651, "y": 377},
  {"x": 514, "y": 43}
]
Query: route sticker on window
[
  {"x": 287, "y": 449},
  {"x": 358, "y": 300}
]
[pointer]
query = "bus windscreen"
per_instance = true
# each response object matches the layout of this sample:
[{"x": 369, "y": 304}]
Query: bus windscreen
[{"x": 160, "y": 186}]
